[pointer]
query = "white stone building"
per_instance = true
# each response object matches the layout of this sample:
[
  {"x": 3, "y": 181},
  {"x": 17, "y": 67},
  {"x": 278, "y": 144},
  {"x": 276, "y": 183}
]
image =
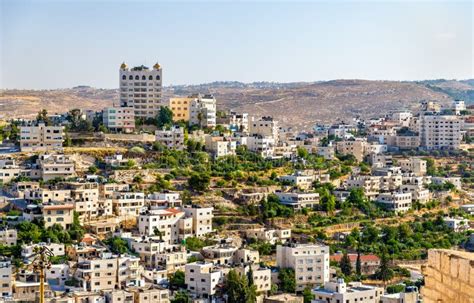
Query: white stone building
[
  {"x": 41, "y": 138},
  {"x": 120, "y": 119},
  {"x": 309, "y": 261},
  {"x": 397, "y": 202},
  {"x": 298, "y": 200},
  {"x": 440, "y": 131},
  {"x": 202, "y": 278},
  {"x": 340, "y": 292},
  {"x": 172, "y": 138}
]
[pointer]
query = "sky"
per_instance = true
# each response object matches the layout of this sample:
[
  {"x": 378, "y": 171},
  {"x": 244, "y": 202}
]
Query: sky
[{"x": 61, "y": 44}]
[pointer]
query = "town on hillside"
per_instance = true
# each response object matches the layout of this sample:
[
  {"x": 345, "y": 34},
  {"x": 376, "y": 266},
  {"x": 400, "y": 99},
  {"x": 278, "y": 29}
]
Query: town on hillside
[{"x": 176, "y": 201}]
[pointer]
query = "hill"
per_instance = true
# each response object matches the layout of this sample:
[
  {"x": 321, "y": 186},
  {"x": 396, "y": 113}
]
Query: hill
[{"x": 296, "y": 104}]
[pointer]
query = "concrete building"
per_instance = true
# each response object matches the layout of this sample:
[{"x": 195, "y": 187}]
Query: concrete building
[
  {"x": 166, "y": 199},
  {"x": 459, "y": 106},
  {"x": 298, "y": 200},
  {"x": 28, "y": 251},
  {"x": 150, "y": 295},
  {"x": 264, "y": 127},
  {"x": 271, "y": 236},
  {"x": 448, "y": 276},
  {"x": 414, "y": 166},
  {"x": 56, "y": 213},
  {"x": 41, "y": 138},
  {"x": 220, "y": 146},
  {"x": 172, "y": 138},
  {"x": 8, "y": 236},
  {"x": 202, "y": 278},
  {"x": 300, "y": 179},
  {"x": 264, "y": 146},
  {"x": 141, "y": 89},
  {"x": 357, "y": 148},
  {"x": 339, "y": 291},
  {"x": 238, "y": 122},
  {"x": 440, "y": 131},
  {"x": 181, "y": 108},
  {"x": 171, "y": 224},
  {"x": 397, "y": 202},
  {"x": 6, "y": 278},
  {"x": 128, "y": 203},
  {"x": 456, "y": 181},
  {"x": 309, "y": 261},
  {"x": 86, "y": 199},
  {"x": 120, "y": 119},
  {"x": 8, "y": 170},
  {"x": 402, "y": 297},
  {"x": 55, "y": 166},
  {"x": 203, "y": 111},
  {"x": 201, "y": 219},
  {"x": 261, "y": 276}
]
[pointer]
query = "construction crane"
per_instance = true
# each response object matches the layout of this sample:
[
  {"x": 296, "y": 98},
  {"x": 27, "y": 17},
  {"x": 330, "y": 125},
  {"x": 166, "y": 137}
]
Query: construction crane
[{"x": 41, "y": 260}]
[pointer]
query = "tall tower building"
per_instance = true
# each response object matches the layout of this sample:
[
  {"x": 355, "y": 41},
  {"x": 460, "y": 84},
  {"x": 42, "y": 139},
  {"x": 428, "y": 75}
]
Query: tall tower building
[{"x": 141, "y": 88}]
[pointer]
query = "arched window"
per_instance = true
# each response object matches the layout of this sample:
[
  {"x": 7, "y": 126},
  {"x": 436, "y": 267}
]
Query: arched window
[
  {"x": 130, "y": 78},
  {"x": 143, "y": 77},
  {"x": 157, "y": 77},
  {"x": 124, "y": 77},
  {"x": 150, "y": 78},
  {"x": 137, "y": 78}
]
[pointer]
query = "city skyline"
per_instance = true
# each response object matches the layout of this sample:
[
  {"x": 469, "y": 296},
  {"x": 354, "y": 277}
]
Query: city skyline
[{"x": 202, "y": 42}]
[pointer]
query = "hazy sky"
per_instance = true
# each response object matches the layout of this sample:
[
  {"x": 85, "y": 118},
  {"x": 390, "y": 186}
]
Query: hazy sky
[{"x": 56, "y": 44}]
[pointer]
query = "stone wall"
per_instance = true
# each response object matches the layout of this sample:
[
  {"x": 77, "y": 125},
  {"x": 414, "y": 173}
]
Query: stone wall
[{"x": 449, "y": 277}]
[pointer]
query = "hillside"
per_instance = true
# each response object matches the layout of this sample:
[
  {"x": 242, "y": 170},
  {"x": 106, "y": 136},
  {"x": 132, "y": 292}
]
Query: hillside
[{"x": 296, "y": 104}]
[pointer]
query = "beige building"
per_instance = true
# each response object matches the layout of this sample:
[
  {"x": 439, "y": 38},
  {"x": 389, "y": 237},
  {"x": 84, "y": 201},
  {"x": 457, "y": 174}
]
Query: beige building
[
  {"x": 171, "y": 224},
  {"x": 41, "y": 138},
  {"x": 407, "y": 141},
  {"x": 202, "y": 278},
  {"x": 62, "y": 214},
  {"x": 298, "y": 200},
  {"x": 8, "y": 236},
  {"x": 264, "y": 127},
  {"x": 219, "y": 146},
  {"x": 309, "y": 261},
  {"x": 128, "y": 204},
  {"x": 150, "y": 295},
  {"x": 357, "y": 148},
  {"x": 448, "y": 276},
  {"x": 56, "y": 166},
  {"x": 413, "y": 165},
  {"x": 201, "y": 219},
  {"x": 6, "y": 278},
  {"x": 141, "y": 89},
  {"x": 339, "y": 291},
  {"x": 397, "y": 202}
]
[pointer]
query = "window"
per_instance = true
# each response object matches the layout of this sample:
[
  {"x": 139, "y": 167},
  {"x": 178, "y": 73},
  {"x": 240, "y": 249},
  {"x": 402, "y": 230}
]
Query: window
[{"x": 158, "y": 77}]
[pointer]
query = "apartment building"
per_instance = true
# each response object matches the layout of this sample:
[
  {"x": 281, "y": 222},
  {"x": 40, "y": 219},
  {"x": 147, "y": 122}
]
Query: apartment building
[
  {"x": 456, "y": 181},
  {"x": 202, "y": 278},
  {"x": 6, "y": 278},
  {"x": 219, "y": 146},
  {"x": 28, "y": 251},
  {"x": 459, "y": 106},
  {"x": 55, "y": 166},
  {"x": 107, "y": 190},
  {"x": 106, "y": 273},
  {"x": 172, "y": 138},
  {"x": 264, "y": 146},
  {"x": 86, "y": 198},
  {"x": 220, "y": 254},
  {"x": 413, "y": 165},
  {"x": 339, "y": 291},
  {"x": 298, "y": 200},
  {"x": 150, "y": 295},
  {"x": 440, "y": 131},
  {"x": 8, "y": 170},
  {"x": 342, "y": 130},
  {"x": 261, "y": 276},
  {"x": 201, "y": 219},
  {"x": 407, "y": 140},
  {"x": 128, "y": 203},
  {"x": 265, "y": 127},
  {"x": 397, "y": 202},
  {"x": 41, "y": 138},
  {"x": 309, "y": 261},
  {"x": 8, "y": 236},
  {"x": 300, "y": 179},
  {"x": 357, "y": 148},
  {"x": 141, "y": 89},
  {"x": 62, "y": 214},
  {"x": 370, "y": 184},
  {"x": 327, "y": 152},
  {"x": 203, "y": 111},
  {"x": 119, "y": 119},
  {"x": 181, "y": 108},
  {"x": 45, "y": 195},
  {"x": 238, "y": 122},
  {"x": 166, "y": 199},
  {"x": 165, "y": 223}
]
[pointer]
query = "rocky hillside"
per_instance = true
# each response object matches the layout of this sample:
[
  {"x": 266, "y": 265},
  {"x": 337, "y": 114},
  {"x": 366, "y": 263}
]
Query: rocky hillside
[{"x": 296, "y": 104}]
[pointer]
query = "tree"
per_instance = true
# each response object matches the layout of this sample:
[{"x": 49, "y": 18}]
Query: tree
[
  {"x": 345, "y": 264},
  {"x": 117, "y": 245},
  {"x": 384, "y": 273},
  {"x": 43, "y": 117},
  {"x": 328, "y": 200},
  {"x": 164, "y": 117},
  {"x": 287, "y": 280},
  {"x": 199, "y": 182},
  {"x": 308, "y": 296},
  {"x": 237, "y": 289},
  {"x": 358, "y": 265},
  {"x": 177, "y": 280}
]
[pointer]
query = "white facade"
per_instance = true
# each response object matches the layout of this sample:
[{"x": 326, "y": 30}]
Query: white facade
[
  {"x": 128, "y": 203},
  {"x": 309, "y": 261},
  {"x": 141, "y": 89},
  {"x": 298, "y": 200},
  {"x": 264, "y": 127},
  {"x": 202, "y": 278},
  {"x": 339, "y": 292},
  {"x": 119, "y": 119},
  {"x": 201, "y": 219},
  {"x": 166, "y": 222},
  {"x": 6, "y": 278},
  {"x": 459, "y": 106},
  {"x": 172, "y": 138},
  {"x": 416, "y": 166},
  {"x": 203, "y": 111},
  {"x": 398, "y": 202},
  {"x": 264, "y": 146},
  {"x": 440, "y": 131},
  {"x": 220, "y": 146}
]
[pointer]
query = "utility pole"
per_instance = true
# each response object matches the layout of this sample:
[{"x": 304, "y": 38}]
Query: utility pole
[{"x": 42, "y": 260}]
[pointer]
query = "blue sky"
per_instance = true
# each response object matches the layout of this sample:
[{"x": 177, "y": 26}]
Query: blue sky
[{"x": 58, "y": 44}]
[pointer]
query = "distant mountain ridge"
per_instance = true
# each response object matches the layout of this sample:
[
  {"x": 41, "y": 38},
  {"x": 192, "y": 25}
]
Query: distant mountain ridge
[{"x": 299, "y": 104}]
